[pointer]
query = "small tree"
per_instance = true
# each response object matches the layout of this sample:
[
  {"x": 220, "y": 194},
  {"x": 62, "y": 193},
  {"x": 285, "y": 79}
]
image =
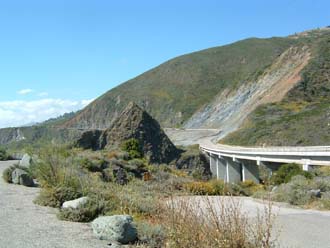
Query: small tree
[
  {"x": 286, "y": 172},
  {"x": 133, "y": 148}
]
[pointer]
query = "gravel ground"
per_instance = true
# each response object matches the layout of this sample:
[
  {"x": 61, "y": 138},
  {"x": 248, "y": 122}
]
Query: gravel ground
[
  {"x": 296, "y": 227},
  {"x": 26, "y": 225}
]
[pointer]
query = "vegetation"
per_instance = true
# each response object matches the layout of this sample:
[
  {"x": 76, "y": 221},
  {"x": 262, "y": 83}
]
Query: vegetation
[
  {"x": 173, "y": 91},
  {"x": 292, "y": 185},
  {"x": 3, "y": 154},
  {"x": 307, "y": 105},
  {"x": 286, "y": 172},
  {"x": 133, "y": 148},
  {"x": 66, "y": 174}
]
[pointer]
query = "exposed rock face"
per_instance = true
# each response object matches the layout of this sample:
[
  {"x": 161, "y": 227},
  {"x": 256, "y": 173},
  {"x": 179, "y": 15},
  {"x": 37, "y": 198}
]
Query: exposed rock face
[
  {"x": 229, "y": 109},
  {"x": 118, "y": 228},
  {"x": 90, "y": 140},
  {"x": 21, "y": 177},
  {"x": 194, "y": 162},
  {"x": 138, "y": 124},
  {"x": 133, "y": 123}
]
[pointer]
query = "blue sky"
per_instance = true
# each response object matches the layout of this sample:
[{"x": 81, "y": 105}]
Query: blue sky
[{"x": 55, "y": 56}]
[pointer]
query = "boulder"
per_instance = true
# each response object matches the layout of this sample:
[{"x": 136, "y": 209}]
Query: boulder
[
  {"x": 315, "y": 193},
  {"x": 74, "y": 204},
  {"x": 117, "y": 228},
  {"x": 21, "y": 177},
  {"x": 25, "y": 161}
]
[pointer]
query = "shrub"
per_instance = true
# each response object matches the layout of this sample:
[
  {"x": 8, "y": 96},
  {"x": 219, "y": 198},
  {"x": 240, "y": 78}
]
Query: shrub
[
  {"x": 6, "y": 174},
  {"x": 213, "y": 187},
  {"x": 86, "y": 213},
  {"x": 286, "y": 172},
  {"x": 152, "y": 235},
  {"x": 133, "y": 148},
  {"x": 3, "y": 154},
  {"x": 95, "y": 165},
  {"x": 249, "y": 188},
  {"x": 295, "y": 192},
  {"x": 208, "y": 222},
  {"x": 56, "y": 196},
  {"x": 325, "y": 200}
]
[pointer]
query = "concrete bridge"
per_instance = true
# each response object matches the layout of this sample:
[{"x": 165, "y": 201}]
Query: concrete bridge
[{"x": 234, "y": 163}]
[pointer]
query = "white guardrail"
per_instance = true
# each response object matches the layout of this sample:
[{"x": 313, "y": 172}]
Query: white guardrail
[{"x": 312, "y": 155}]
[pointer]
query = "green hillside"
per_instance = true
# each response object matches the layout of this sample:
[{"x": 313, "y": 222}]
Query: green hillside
[
  {"x": 173, "y": 91},
  {"x": 303, "y": 117}
]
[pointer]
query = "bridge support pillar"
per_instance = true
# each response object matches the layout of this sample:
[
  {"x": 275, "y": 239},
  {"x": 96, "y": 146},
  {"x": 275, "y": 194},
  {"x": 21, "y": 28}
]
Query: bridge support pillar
[
  {"x": 250, "y": 170},
  {"x": 213, "y": 165},
  {"x": 233, "y": 171}
]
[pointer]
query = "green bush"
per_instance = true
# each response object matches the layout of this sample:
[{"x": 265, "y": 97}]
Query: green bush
[
  {"x": 286, "y": 172},
  {"x": 133, "y": 148},
  {"x": 3, "y": 154},
  {"x": 296, "y": 192},
  {"x": 95, "y": 165},
  {"x": 56, "y": 196}
]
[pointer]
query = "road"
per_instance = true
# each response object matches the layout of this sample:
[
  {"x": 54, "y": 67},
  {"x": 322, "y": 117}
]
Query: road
[{"x": 26, "y": 225}]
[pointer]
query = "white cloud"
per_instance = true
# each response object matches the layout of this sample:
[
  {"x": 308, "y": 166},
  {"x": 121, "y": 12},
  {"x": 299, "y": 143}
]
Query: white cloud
[
  {"x": 17, "y": 113},
  {"x": 24, "y": 91}
]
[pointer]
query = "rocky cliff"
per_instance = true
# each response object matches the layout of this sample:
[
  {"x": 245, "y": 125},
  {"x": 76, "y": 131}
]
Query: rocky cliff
[{"x": 133, "y": 123}]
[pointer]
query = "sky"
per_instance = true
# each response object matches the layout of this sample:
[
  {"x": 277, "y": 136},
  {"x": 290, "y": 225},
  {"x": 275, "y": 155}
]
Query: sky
[{"x": 56, "y": 56}]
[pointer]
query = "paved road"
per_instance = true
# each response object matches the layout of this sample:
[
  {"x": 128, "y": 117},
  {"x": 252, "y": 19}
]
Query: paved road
[
  {"x": 26, "y": 225},
  {"x": 298, "y": 228}
]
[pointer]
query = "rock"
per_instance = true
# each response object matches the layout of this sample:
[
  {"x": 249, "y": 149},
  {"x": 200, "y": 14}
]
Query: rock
[
  {"x": 315, "y": 193},
  {"x": 21, "y": 177},
  {"x": 194, "y": 161},
  {"x": 121, "y": 176},
  {"x": 133, "y": 123},
  {"x": 117, "y": 228},
  {"x": 25, "y": 161},
  {"x": 74, "y": 204}
]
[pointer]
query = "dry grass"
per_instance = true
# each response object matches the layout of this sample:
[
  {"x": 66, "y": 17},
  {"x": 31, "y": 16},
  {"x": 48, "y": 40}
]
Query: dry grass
[{"x": 211, "y": 222}]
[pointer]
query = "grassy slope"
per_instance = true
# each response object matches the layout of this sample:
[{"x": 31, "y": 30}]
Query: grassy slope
[
  {"x": 173, "y": 91},
  {"x": 303, "y": 117}
]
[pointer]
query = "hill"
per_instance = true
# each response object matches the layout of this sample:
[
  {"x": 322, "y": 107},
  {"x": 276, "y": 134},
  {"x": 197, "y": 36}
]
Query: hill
[
  {"x": 303, "y": 116},
  {"x": 175, "y": 90},
  {"x": 269, "y": 89}
]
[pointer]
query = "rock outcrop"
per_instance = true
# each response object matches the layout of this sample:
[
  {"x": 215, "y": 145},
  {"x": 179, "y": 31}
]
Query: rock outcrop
[{"x": 133, "y": 123}]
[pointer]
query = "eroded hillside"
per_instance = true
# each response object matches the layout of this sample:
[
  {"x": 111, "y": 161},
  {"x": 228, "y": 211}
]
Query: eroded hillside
[
  {"x": 230, "y": 108},
  {"x": 303, "y": 115}
]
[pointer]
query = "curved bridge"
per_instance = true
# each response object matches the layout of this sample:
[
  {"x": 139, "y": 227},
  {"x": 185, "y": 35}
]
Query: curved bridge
[{"x": 235, "y": 163}]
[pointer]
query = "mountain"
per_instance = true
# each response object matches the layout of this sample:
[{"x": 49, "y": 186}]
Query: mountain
[
  {"x": 256, "y": 91},
  {"x": 175, "y": 90},
  {"x": 133, "y": 123}
]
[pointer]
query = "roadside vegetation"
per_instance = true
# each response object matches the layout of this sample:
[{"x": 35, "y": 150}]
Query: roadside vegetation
[
  {"x": 3, "y": 154},
  {"x": 122, "y": 182},
  {"x": 292, "y": 185}
]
